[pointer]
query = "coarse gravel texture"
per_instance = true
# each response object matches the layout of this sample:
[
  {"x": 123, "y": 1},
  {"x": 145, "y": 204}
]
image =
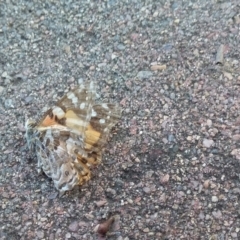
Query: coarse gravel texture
[{"x": 172, "y": 167}]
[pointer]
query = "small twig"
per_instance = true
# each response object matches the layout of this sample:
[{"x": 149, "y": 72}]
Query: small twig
[{"x": 219, "y": 56}]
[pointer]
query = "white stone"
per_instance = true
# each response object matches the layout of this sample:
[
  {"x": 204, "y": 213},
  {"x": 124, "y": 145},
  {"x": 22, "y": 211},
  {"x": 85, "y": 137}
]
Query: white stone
[
  {"x": 214, "y": 199},
  {"x": 208, "y": 143}
]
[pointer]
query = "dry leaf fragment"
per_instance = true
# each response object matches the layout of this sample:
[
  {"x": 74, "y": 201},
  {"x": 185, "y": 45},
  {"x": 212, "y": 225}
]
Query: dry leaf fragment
[
  {"x": 206, "y": 183},
  {"x": 236, "y": 19},
  {"x": 104, "y": 227},
  {"x": 228, "y": 75},
  {"x": 158, "y": 67},
  {"x": 101, "y": 203}
]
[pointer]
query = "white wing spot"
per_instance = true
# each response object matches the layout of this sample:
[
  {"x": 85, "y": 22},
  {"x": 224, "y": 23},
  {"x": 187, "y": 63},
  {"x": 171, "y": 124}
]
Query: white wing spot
[
  {"x": 70, "y": 95},
  {"x": 80, "y": 89},
  {"x": 58, "y": 112},
  {"x": 73, "y": 97},
  {"x": 105, "y": 129},
  {"x": 75, "y": 100},
  {"x": 104, "y": 105},
  {"x": 91, "y": 86},
  {"x": 108, "y": 117},
  {"x": 94, "y": 114},
  {"x": 82, "y": 105},
  {"x": 102, "y": 121}
]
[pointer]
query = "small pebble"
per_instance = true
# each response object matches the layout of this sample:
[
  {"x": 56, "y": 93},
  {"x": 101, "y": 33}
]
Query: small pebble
[
  {"x": 40, "y": 234},
  {"x": 68, "y": 235},
  {"x": 73, "y": 227},
  {"x": 146, "y": 230},
  {"x": 146, "y": 189},
  {"x": 208, "y": 143},
  {"x": 144, "y": 74},
  {"x": 209, "y": 122},
  {"x": 214, "y": 199}
]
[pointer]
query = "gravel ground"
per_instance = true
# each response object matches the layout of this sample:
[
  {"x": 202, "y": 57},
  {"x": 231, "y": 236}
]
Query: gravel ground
[{"x": 172, "y": 167}]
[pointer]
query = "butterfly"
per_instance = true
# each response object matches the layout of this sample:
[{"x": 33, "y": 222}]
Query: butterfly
[{"x": 69, "y": 139}]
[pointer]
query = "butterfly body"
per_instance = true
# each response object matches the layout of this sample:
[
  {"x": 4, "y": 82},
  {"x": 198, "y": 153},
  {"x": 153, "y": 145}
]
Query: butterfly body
[{"x": 69, "y": 139}]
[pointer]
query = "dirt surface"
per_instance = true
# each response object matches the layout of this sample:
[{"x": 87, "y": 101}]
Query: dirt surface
[{"x": 172, "y": 167}]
